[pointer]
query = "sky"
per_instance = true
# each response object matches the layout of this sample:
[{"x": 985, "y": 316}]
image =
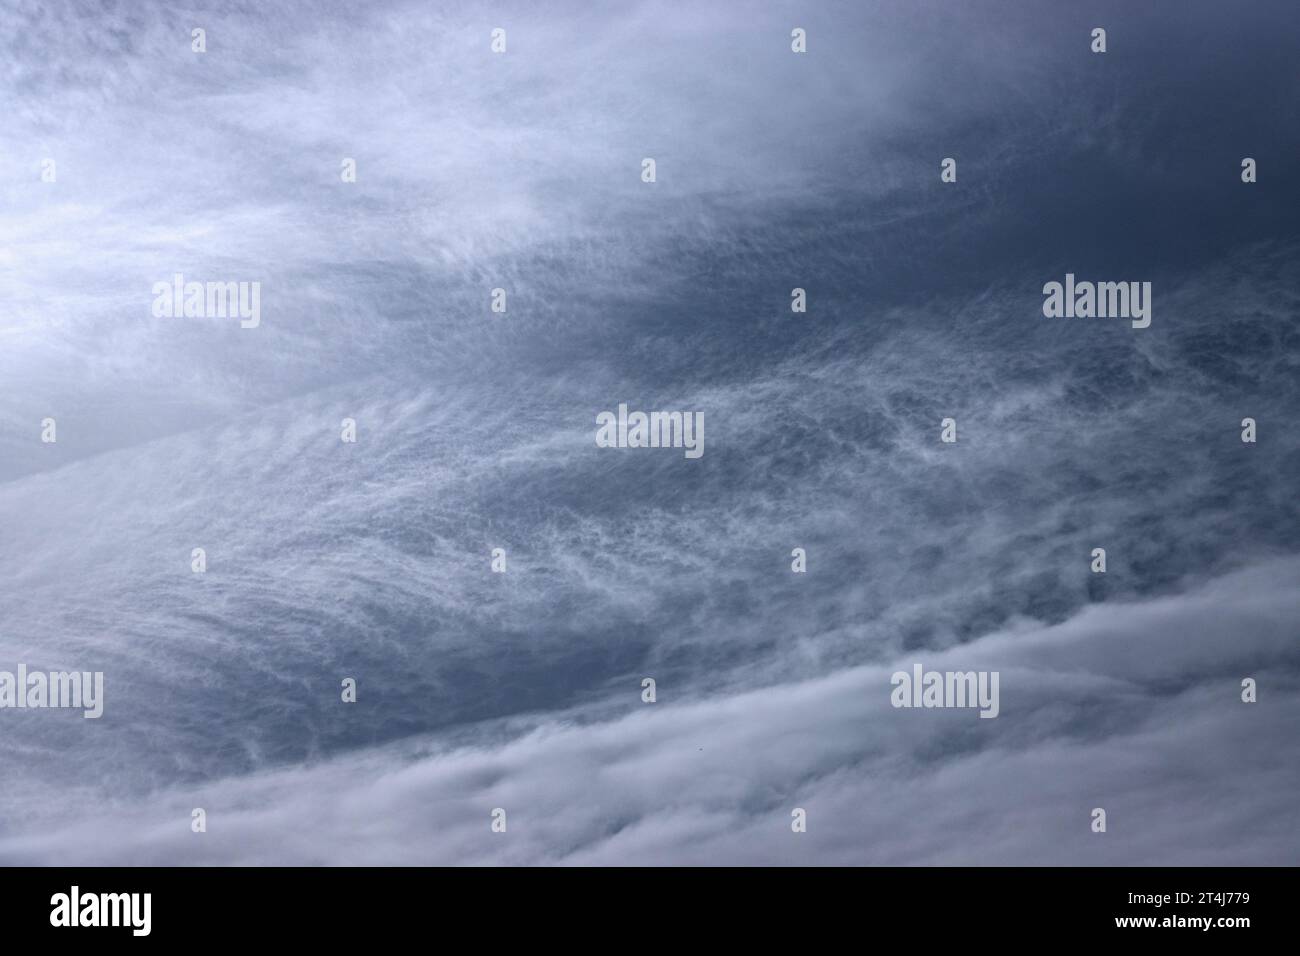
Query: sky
[{"x": 522, "y": 690}]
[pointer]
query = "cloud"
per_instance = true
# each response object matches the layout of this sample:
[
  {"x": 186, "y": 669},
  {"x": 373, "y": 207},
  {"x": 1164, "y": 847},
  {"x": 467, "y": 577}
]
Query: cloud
[
  {"x": 1159, "y": 737},
  {"x": 475, "y": 431}
]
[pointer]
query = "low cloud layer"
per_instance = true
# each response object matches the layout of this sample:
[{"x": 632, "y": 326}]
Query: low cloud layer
[{"x": 1131, "y": 707}]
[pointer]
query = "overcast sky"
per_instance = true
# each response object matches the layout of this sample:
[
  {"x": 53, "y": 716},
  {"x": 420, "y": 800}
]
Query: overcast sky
[{"x": 522, "y": 690}]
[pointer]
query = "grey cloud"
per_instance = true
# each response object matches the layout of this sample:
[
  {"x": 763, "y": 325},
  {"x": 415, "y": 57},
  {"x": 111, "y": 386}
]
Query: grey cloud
[
  {"x": 480, "y": 690},
  {"x": 1187, "y": 777}
]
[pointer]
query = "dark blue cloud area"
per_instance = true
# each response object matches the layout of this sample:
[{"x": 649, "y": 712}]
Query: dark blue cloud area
[{"x": 476, "y": 430}]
